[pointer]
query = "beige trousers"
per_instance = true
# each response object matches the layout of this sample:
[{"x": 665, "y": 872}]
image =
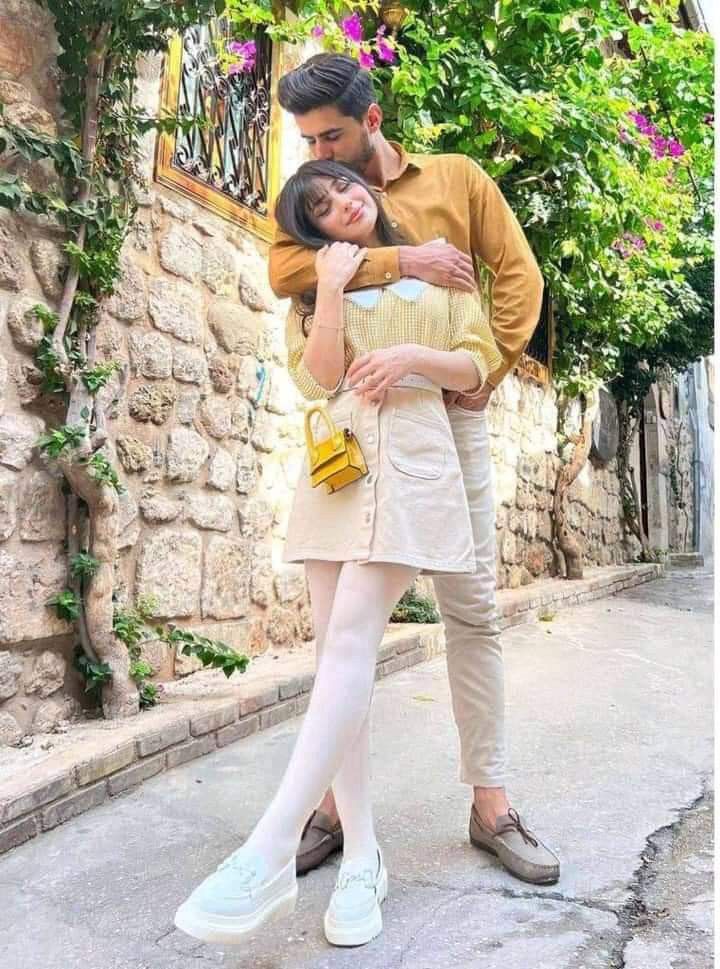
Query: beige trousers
[{"x": 468, "y": 607}]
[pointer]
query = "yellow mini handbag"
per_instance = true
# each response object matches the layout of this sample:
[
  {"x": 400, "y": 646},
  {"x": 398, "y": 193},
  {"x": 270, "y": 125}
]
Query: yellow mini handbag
[{"x": 336, "y": 461}]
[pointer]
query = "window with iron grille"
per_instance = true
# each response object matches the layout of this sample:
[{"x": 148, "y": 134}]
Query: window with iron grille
[{"x": 224, "y": 154}]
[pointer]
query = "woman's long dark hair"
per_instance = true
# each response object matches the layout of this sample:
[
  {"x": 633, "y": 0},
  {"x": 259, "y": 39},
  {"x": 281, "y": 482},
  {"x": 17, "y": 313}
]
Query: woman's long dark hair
[{"x": 295, "y": 204}]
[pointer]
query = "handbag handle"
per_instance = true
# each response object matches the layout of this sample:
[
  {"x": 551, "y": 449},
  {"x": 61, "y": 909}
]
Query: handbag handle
[{"x": 336, "y": 435}]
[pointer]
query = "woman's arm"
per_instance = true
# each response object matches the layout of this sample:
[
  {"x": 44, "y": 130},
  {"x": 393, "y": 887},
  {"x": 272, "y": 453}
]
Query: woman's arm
[
  {"x": 324, "y": 354},
  {"x": 374, "y": 373}
]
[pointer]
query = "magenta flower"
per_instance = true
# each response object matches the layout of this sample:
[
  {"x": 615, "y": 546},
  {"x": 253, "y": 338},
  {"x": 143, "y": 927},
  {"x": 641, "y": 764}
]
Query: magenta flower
[
  {"x": 659, "y": 146},
  {"x": 675, "y": 149},
  {"x": 386, "y": 52},
  {"x": 366, "y": 59},
  {"x": 352, "y": 28},
  {"x": 709, "y": 119},
  {"x": 318, "y": 31},
  {"x": 655, "y": 225},
  {"x": 246, "y": 53}
]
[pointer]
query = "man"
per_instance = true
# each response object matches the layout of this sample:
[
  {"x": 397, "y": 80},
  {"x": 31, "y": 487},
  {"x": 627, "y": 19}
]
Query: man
[{"x": 431, "y": 198}]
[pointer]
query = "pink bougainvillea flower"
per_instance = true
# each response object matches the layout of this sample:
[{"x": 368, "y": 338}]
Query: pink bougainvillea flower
[
  {"x": 624, "y": 136},
  {"x": 675, "y": 149},
  {"x": 318, "y": 31},
  {"x": 366, "y": 59},
  {"x": 655, "y": 225},
  {"x": 659, "y": 146},
  {"x": 386, "y": 52},
  {"x": 246, "y": 53},
  {"x": 352, "y": 28},
  {"x": 709, "y": 119}
]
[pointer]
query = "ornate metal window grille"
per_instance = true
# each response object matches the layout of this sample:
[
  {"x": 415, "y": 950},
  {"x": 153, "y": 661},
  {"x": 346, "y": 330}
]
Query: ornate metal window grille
[{"x": 225, "y": 153}]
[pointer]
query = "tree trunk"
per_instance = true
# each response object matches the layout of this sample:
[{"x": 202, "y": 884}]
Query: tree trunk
[
  {"x": 629, "y": 497},
  {"x": 567, "y": 542}
]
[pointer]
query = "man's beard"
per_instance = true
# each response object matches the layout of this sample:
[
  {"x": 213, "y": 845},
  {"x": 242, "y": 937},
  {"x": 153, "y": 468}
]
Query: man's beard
[{"x": 367, "y": 150}]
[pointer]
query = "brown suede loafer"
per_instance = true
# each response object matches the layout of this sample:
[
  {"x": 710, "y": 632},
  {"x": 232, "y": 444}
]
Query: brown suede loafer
[
  {"x": 517, "y": 848},
  {"x": 320, "y": 839}
]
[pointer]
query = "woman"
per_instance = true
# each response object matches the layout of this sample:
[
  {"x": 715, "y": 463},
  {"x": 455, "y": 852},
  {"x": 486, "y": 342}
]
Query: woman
[{"x": 381, "y": 358}]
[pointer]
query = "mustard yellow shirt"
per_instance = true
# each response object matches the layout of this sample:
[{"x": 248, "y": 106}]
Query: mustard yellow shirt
[
  {"x": 406, "y": 312},
  {"x": 450, "y": 197}
]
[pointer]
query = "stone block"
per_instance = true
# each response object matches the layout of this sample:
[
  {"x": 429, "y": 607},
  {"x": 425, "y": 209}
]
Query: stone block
[
  {"x": 16, "y": 56},
  {"x": 134, "y": 454},
  {"x": 236, "y": 328},
  {"x": 36, "y": 795},
  {"x": 220, "y": 475},
  {"x": 290, "y": 583},
  {"x": 47, "y": 675},
  {"x": 278, "y": 714},
  {"x": 152, "y": 403},
  {"x": 226, "y": 582},
  {"x": 13, "y": 272},
  {"x": 180, "y": 253},
  {"x": 11, "y": 669},
  {"x": 156, "y": 509},
  {"x": 27, "y": 580},
  {"x": 216, "y": 416},
  {"x": 256, "y": 518},
  {"x": 104, "y": 764},
  {"x": 222, "y": 377},
  {"x": 208, "y": 722},
  {"x": 290, "y": 688},
  {"x": 238, "y": 731},
  {"x": 283, "y": 398},
  {"x": 189, "y": 365},
  {"x": 281, "y": 626},
  {"x": 24, "y": 114},
  {"x": 176, "y": 308},
  {"x": 49, "y": 716},
  {"x": 10, "y": 730},
  {"x": 128, "y": 524},
  {"x": 241, "y": 420},
  {"x": 168, "y": 570},
  {"x": 181, "y": 211},
  {"x": 219, "y": 267},
  {"x": 261, "y": 584},
  {"x": 8, "y": 503},
  {"x": 167, "y": 736},
  {"x": 305, "y": 623},
  {"x": 71, "y": 806},
  {"x": 25, "y": 328},
  {"x": 248, "y": 376},
  {"x": 126, "y": 779},
  {"x": 187, "y": 405},
  {"x": 129, "y": 302},
  {"x": 152, "y": 355},
  {"x": 246, "y": 476},
  {"x": 189, "y": 751},
  {"x": 258, "y": 701},
  {"x": 4, "y": 375},
  {"x": 17, "y": 834},
  {"x": 264, "y": 432},
  {"x": 186, "y": 454},
  {"x": 50, "y": 263},
  {"x": 211, "y": 512},
  {"x": 42, "y": 509}
]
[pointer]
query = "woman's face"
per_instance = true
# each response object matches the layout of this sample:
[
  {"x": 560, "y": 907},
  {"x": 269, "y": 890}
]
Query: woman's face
[{"x": 344, "y": 211}]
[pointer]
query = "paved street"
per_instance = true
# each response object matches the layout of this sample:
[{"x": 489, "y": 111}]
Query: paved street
[{"x": 610, "y": 728}]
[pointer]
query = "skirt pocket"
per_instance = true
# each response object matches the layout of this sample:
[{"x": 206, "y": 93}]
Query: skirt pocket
[{"x": 416, "y": 447}]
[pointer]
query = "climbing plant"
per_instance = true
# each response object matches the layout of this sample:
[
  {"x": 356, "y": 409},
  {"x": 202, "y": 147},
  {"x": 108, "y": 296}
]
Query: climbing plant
[{"x": 92, "y": 197}]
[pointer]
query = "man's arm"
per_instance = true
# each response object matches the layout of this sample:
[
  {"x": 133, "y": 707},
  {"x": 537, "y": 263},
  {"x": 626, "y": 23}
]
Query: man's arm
[
  {"x": 498, "y": 241},
  {"x": 292, "y": 267}
]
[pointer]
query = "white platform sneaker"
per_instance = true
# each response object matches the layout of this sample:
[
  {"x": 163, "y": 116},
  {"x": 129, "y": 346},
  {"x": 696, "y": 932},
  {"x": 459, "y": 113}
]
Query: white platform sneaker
[
  {"x": 237, "y": 899},
  {"x": 353, "y": 916}
]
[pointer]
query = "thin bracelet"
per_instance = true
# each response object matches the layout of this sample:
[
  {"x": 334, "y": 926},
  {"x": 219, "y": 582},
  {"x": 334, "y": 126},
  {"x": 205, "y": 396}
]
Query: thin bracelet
[{"x": 324, "y": 326}]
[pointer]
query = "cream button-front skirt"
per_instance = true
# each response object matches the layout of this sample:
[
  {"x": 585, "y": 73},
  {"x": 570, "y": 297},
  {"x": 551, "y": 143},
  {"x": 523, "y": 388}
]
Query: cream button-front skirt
[{"x": 410, "y": 508}]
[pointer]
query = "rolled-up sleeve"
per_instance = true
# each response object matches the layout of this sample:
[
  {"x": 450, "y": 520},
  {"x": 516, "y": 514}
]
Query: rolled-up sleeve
[
  {"x": 302, "y": 378},
  {"x": 471, "y": 333}
]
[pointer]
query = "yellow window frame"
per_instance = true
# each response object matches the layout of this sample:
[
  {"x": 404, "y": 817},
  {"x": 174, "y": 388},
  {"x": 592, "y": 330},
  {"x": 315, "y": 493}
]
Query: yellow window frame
[{"x": 205, "y": 195}]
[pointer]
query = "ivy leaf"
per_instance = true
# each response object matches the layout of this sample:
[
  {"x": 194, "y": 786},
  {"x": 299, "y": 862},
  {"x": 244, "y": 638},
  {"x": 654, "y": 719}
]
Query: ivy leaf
[{"x": 490, "y": 35}]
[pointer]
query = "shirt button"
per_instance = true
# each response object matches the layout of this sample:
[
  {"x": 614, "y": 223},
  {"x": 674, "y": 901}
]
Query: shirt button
[
  {"x": 369, "y": 479},
  {"x": 371, "y": 439},
  {"x": 368, "y": 518},
  {"x": 388, "y": 275},
  {"x": 394, "y": 225}
]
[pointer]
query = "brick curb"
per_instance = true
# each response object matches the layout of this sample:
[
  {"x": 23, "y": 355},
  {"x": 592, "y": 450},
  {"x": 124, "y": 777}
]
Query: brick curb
[{"x": 108, "y": 759}]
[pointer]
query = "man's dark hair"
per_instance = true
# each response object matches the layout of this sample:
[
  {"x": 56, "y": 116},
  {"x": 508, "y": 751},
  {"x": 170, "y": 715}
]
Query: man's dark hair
[{"x": 327, "y": 79}]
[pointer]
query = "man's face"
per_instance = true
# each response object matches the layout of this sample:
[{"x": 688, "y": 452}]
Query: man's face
[{"x": 332, "y": 136}]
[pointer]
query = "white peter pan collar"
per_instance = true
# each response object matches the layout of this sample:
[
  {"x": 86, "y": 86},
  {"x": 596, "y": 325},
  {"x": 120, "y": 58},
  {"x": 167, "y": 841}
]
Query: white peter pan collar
[{"x": 408, "y": 289}]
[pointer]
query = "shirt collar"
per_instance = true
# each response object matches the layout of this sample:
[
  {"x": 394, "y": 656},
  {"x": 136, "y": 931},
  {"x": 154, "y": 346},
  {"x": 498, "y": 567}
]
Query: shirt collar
[{"x": 407, "y": 161}]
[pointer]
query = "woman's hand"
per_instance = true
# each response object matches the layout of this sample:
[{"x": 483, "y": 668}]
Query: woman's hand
[
  {"x": 374, "y": 373},
  {"x": 337, "y": 263}
]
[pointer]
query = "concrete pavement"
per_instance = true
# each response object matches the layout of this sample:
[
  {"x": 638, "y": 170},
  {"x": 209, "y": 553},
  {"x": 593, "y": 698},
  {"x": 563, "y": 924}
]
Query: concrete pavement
[{"x": 610, "y": 742}]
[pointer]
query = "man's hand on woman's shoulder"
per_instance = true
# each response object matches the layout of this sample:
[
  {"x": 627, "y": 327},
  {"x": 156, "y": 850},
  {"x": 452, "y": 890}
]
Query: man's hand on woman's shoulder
[{"x": 439, "y": 263}]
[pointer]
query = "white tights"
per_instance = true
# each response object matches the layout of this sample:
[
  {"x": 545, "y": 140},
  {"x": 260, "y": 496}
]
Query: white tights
[{"x": 351, "y": 606}]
